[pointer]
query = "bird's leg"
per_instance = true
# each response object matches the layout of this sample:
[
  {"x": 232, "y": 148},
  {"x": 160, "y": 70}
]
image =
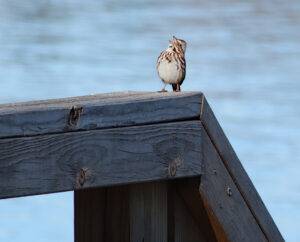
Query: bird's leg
[
  {"x": 177, "y": 88},
  {"x": 164, "y": 89}
]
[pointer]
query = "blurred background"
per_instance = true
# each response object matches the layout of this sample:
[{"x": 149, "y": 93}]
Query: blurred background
[{"x": 244, "y": 55}]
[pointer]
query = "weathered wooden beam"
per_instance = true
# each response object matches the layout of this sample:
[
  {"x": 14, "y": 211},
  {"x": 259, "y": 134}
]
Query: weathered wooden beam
[
  {"x": 74, "y": 160},
  {"x": 229, "y": 214},
  {"x": 120, "y": 139},
  {"x": 96, "y": 112},
  {"x": 238, "y": 173}
]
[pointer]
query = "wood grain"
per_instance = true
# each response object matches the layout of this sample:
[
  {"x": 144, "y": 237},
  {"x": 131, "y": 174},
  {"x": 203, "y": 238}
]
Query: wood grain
[
  {"x": 97, "y": 112},
  {"x": 117, "y": 227},
  {"x": 187, "y": 228},
  {"x": 149, "y": 212},
  {"x": 224, "y": 202},
  {"x": 135, "y": 213},
  {"x": 238, "y": 174},
  {"x": 102, "y": 214},
  {"x": 188, "y": 191},
  {"x": 89, "y": 215},
  {"x": 75, "y": 160}
]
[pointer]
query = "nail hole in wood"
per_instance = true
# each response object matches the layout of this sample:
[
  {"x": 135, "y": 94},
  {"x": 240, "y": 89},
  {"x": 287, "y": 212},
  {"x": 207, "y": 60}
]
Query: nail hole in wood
[{"x": 228, "y": 191}]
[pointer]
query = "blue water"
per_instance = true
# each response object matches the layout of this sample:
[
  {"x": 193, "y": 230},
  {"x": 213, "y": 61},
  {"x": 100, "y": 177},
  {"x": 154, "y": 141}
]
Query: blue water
[{"x": 244, "y": 55}]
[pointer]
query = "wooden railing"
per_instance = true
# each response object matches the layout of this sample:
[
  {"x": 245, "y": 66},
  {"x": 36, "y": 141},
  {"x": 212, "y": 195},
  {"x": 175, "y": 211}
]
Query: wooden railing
[{"x": 112, "y": 140}]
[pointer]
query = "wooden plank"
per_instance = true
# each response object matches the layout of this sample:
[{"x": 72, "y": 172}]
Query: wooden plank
[
  {"x": 62, "y": 162},
  {"x": 188, "y": 191},
  {"x": 102, "y": 214},
  {"x": 137, "y": 212},
  {"x": 238, "y": 173},
  {"x": 223, "y": 200},
  {"x": 171, "y": 196},
  {"x": 89, "y": 215},
  {"x": 149, "y": 212},
  {"x": 117, "y": 227},
  {"x": 190, "y": 226},
  {"x": 96, "y": 112},
  {"x": 123, "y": 213}
]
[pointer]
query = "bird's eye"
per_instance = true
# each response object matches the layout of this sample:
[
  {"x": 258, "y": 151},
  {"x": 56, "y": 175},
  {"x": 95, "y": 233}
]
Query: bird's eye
[{"x": 170, "y": 45}]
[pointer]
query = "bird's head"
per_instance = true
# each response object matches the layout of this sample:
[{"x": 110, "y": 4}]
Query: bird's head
[{"x": 176, "y": 43}]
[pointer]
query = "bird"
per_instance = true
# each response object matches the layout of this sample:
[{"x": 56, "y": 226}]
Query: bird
[{"x": 171, "y": 64}]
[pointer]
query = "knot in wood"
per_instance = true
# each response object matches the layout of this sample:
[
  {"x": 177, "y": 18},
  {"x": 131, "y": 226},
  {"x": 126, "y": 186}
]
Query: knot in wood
[
  {"x": 228, "y": 191},
  {"x": 74, "y": 115},
  {"x": 173, "y": 165},
  {"x": 81, "y": 177},
  {"x": 172, "y": 169}
]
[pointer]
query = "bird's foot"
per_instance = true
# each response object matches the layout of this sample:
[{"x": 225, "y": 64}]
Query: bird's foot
[
  {"x": 163, "y": 90},
  {"x": 177, "y": 88}
]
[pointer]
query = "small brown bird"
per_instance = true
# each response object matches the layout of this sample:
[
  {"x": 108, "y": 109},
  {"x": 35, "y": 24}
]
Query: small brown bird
[{"x": 171, "y": 64}]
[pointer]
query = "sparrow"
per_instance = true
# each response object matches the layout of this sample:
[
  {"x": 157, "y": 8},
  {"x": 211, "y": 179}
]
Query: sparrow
[{"x": 171, "y": 65}]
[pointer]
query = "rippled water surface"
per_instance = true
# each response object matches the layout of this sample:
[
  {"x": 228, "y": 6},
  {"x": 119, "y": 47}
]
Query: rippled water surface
[{"x": 244, "y": 55}]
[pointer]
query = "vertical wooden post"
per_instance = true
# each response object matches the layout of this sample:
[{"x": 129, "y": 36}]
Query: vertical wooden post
[
  {"x": 101, "y": 215},
  {"x": 149, "y": 212},
  {"x": 117, "y": 215},
  {"x": 135, "y": 213},
  {"x": 89, "y": 215}
]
